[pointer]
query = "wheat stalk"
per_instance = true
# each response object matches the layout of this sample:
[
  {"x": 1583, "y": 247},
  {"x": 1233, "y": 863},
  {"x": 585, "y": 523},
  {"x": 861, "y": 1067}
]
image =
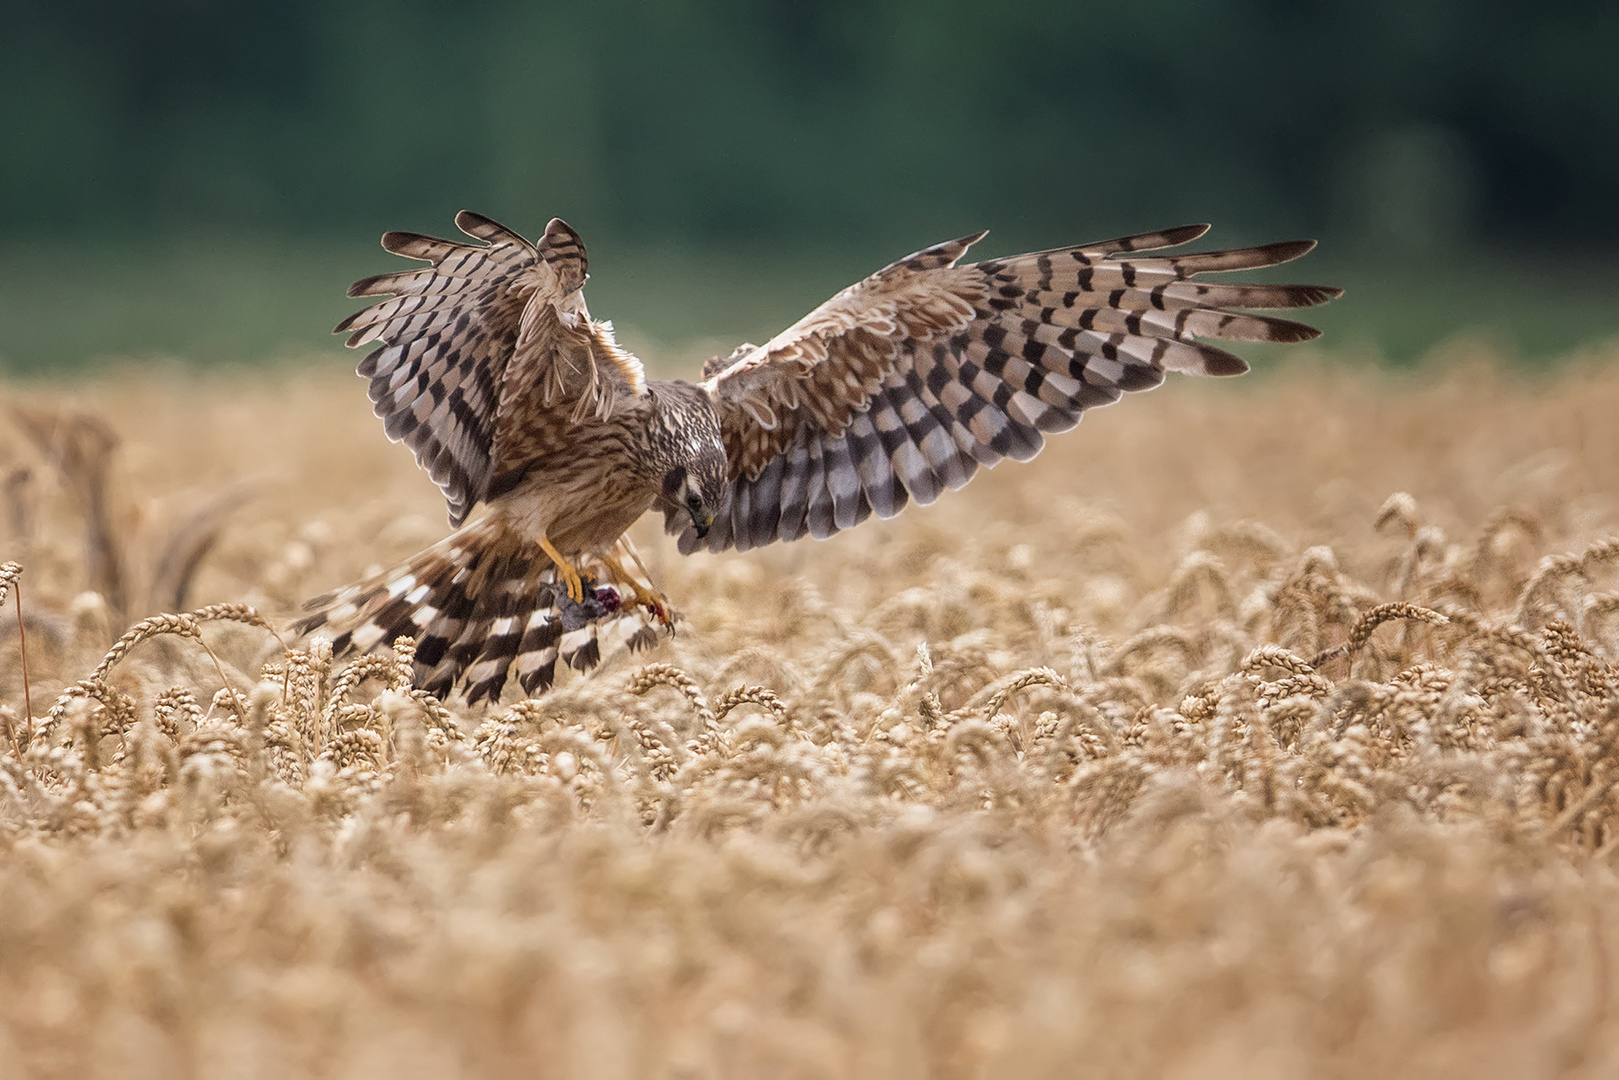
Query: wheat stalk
[
  {"x": 11, "y": 578},
  {"x": 1370, "y": 621},
  {"x": 655, "y": 675},
  {"x": 156, "y": 626}
]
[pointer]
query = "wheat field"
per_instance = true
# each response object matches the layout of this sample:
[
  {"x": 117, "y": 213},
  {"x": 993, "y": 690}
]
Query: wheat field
[{"x": 1264, "y": 728}]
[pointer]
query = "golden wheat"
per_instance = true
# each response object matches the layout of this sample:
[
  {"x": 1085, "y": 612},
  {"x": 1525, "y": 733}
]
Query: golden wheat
[{"x": 1189, "y": 750}]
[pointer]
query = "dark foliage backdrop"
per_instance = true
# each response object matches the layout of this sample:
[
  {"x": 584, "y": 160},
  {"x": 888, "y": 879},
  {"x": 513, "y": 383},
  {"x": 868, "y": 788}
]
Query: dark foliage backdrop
[{"x": 1396, "y": 129}]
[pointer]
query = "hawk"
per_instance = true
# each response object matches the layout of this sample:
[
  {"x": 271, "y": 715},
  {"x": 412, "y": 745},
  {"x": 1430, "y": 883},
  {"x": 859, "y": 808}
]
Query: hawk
[{"x": 549, "y": 441}]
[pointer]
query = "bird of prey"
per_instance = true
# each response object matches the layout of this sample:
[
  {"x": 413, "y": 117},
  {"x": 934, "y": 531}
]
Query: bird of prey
[{"x": 549, "y": 441}]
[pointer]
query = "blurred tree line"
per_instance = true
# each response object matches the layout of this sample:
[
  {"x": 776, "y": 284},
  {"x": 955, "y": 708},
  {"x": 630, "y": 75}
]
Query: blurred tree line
[{"x": 1398, "y": 122}]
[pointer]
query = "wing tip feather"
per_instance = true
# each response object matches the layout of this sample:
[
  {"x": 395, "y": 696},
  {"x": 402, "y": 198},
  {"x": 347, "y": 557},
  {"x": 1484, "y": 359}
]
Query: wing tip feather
[
  {"x": 1288, "y": 332},
  {"x": 1184, "y": 234},
  {"x": 398, "y": 242},
  {"x": 1285, "y": 251},
  {"x": 1222, "y": 364},
  {"x": 364, "y": 285},
  {"x": 480, "y": 227},
  {"x": 475, "y": 224}
]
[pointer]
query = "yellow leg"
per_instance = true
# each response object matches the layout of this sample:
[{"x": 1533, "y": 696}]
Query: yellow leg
[
  {"x": 656, "y": 601},
  {"x": 570, "y": 576}
]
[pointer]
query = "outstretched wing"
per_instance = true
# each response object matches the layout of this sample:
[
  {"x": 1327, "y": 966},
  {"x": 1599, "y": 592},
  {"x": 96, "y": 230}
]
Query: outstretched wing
[
  {"x": 903, "y": 384},
  {"x": 484, "y": 323}
]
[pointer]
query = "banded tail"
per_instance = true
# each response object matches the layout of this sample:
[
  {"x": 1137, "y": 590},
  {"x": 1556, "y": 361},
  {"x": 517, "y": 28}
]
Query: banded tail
[{"x": 479, "y": 603}]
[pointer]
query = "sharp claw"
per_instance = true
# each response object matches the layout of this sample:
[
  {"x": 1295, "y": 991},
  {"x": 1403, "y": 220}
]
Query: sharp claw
[
  {"x": 659, "y": 609},
  {"x": 652, "y": 601}
]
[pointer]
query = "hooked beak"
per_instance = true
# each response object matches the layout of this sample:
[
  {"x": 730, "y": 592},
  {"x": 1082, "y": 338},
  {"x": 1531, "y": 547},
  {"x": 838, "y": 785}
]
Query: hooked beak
[{"x": 701, "y": 523}]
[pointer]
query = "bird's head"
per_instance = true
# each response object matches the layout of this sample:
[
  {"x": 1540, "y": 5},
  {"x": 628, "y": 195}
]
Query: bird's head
[
  {"x": 696, "y": 489},
  {"x": 696, "y": 472}
]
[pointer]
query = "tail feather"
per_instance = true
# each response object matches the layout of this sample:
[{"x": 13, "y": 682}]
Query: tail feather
[
  {"x": 480, "y": 603},
  {"x": 581, "y": 650}
]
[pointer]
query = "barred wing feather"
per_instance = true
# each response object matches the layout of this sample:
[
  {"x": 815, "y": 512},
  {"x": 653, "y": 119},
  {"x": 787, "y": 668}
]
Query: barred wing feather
[
  {"x": 453, "y": 334},
  {"x": 902, "y": 385}
]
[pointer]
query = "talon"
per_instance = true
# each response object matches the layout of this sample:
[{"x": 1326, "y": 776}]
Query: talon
[
  {"x": 656, "y": 603},
  {"x": 570, "y": 577},
  {"x": 574, "y": 583}
]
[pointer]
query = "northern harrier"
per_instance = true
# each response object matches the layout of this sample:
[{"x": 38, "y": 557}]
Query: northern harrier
[{"x": 520, "y": 405}]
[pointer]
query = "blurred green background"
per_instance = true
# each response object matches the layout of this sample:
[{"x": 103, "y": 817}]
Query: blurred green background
[{"x": 202, "y": 180}]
